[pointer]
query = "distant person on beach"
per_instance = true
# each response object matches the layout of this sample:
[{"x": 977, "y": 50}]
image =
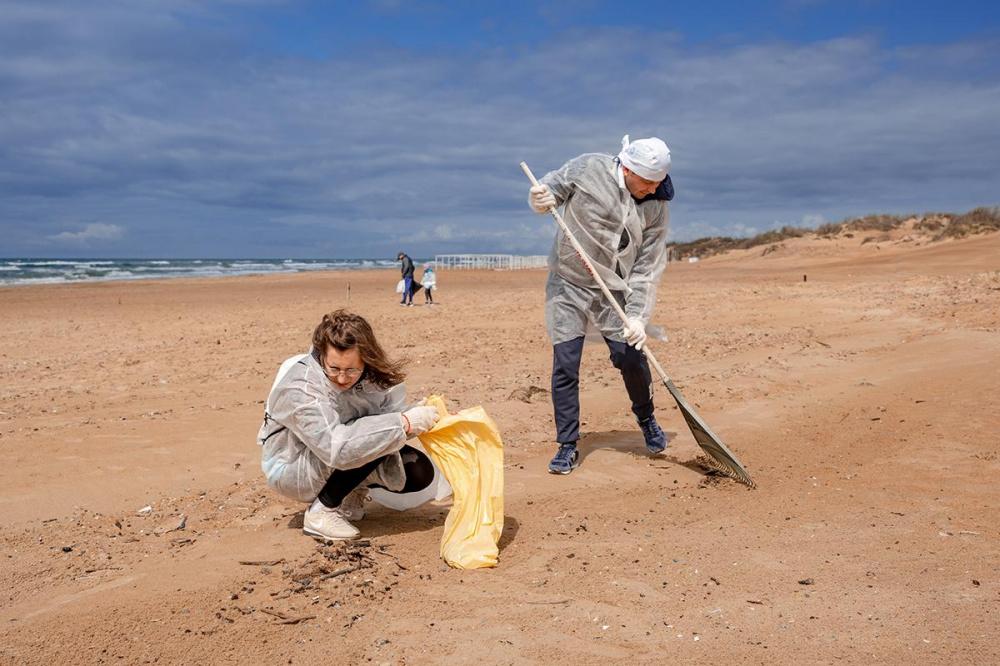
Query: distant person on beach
[
  {"x": 617, "y": 209},
  {"x": 406, "y": 268},
  {"x": 335, "y": 424},
  {"x": 429, "y": 278}
]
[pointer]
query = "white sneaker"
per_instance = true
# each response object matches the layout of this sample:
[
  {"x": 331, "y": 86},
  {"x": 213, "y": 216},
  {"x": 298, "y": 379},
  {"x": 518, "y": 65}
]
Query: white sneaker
[
  {"x": 327, "y": 524},
  {"x": 353, "y": 506}
]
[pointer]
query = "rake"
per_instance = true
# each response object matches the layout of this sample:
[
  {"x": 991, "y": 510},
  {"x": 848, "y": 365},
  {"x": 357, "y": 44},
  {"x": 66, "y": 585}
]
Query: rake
[{"x": 719, "y": 457}]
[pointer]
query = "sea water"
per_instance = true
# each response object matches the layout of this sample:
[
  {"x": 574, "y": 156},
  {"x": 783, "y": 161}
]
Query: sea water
[{"x": 47, "y": 271}]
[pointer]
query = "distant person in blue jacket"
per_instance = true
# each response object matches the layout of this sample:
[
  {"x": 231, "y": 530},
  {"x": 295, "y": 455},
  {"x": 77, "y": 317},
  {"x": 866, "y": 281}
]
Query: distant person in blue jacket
[{"x": 406, "y": 267}]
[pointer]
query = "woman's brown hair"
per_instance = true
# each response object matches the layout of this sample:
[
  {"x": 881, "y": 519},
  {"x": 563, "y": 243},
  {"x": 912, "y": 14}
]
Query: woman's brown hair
[{"x": 345, "y": 330}]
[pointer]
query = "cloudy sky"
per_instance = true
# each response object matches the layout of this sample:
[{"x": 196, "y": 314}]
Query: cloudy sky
[{"x": 271, "y": 128}]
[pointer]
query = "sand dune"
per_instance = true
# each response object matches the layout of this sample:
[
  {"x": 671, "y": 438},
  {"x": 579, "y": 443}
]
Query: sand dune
[{"x": 863, "y": 399}]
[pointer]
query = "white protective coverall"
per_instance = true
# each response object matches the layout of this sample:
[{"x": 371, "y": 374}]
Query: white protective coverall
[
  {"x": 626, "y": 242},
  {"x": 312, "y": 428}
]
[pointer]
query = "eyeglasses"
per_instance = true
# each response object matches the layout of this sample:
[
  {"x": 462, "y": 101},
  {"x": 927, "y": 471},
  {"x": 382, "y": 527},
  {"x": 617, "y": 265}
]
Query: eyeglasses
[{"x": 351, "y": 373}]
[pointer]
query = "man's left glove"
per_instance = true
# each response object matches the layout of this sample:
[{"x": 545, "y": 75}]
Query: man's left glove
[{"x": 635, "y": 332}]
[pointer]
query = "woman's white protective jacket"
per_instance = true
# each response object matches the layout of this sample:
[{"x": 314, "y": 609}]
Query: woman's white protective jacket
[{"x": 312, "y": 428}]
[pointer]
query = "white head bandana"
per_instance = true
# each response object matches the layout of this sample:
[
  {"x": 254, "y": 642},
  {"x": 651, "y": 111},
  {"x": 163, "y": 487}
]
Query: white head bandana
[{"x": 647, "y": 158}]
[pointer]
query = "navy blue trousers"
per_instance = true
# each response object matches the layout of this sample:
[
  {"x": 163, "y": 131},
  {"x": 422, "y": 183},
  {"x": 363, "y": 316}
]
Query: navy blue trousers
[
  {"x": 407, "y": 289},
  {"x": 566, "y": 384}
]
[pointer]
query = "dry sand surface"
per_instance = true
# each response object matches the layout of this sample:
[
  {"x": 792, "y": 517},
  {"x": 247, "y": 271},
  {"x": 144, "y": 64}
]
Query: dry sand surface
[{"x": 864, "y": 402}]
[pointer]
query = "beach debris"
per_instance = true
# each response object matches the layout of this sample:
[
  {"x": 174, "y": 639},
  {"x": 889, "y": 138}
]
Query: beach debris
[
  {"x": 166, "y": 529},
  {"x": 144, "y": 511},
  {"x": 807, "y": 581},
  {"x": 284, "y": 619},
  {"x": 339, "y": 572},
  {"x": 525, "y": 394},
  {"x": 713, "y": 477},
  {"x": 344, "y": 577},
  {"x": 262, "y": 563}
]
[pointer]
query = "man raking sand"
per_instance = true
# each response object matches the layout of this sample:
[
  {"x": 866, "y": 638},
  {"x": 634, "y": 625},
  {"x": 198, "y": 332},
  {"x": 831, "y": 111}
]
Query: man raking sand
[{"x": 619, "y": 207}]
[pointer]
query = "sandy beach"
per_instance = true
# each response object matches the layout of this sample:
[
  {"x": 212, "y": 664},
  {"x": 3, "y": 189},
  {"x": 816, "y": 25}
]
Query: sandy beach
[{"x": 859, "y": 384}]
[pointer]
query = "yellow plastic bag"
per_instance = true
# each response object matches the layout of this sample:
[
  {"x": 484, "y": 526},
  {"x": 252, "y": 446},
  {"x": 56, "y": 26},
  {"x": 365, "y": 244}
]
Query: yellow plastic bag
[{"x": 468, "y": 450}]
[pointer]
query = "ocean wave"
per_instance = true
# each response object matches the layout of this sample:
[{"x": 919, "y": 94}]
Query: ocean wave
[{"x": 24, "y": 271}]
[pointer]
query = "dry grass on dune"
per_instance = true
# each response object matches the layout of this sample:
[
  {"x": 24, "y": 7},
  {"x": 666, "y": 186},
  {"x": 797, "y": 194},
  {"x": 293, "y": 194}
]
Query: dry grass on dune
[{"x": 935, "y": 226}]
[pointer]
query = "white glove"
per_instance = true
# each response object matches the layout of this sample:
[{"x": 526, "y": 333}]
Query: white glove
[
  {"x": 635, "y": 332},
  {"x": 421, "y": 419},
  {"x": 541, "y": 199}
]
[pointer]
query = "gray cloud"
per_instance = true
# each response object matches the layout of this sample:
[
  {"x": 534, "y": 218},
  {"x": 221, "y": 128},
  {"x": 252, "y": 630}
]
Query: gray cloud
[
  {"x": 156, "y": 120},
  {"x": 93, "y": 232}
]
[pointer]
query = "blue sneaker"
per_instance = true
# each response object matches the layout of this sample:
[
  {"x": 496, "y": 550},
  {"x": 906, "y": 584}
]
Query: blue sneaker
[
  {"x": 567, "y": 459},
  {"x": 656, "y": 440}
]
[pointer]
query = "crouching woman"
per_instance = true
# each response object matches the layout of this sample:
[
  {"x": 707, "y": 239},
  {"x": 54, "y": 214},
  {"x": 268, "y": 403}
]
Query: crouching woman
[{"x": 335, "y": 424}]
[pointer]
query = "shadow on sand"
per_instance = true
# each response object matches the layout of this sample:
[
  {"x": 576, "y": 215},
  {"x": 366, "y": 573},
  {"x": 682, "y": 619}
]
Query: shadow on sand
[
  {"x": 623, "y": 441},
  {"x": 631, "y": 442},
  {"x": 380, "y": 521},
  {"x": 511, "y": 525}
]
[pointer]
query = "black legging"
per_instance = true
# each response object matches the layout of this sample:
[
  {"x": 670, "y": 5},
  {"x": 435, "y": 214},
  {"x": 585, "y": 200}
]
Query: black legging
[{"x": 416, "y": 465}]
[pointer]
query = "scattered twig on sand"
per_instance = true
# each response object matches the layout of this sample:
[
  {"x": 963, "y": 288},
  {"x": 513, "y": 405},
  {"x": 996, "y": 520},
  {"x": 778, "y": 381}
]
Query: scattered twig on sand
[
  {"x": 339, "y": 572},
  {"x": 560, "y": 601},
  {"x": 390, "y": 555},
  {"x": 296, "y": 620},
  {"x": 755, "y": 601},
  {"x": 262, "y": 563},
  {"x": 284, "y": 619}
]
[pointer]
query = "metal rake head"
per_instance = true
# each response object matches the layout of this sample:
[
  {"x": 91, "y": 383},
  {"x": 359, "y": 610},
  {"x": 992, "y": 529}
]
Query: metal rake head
[
  {"x": 718, "y": 457},
  {"x": 714, "y": 465}
]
